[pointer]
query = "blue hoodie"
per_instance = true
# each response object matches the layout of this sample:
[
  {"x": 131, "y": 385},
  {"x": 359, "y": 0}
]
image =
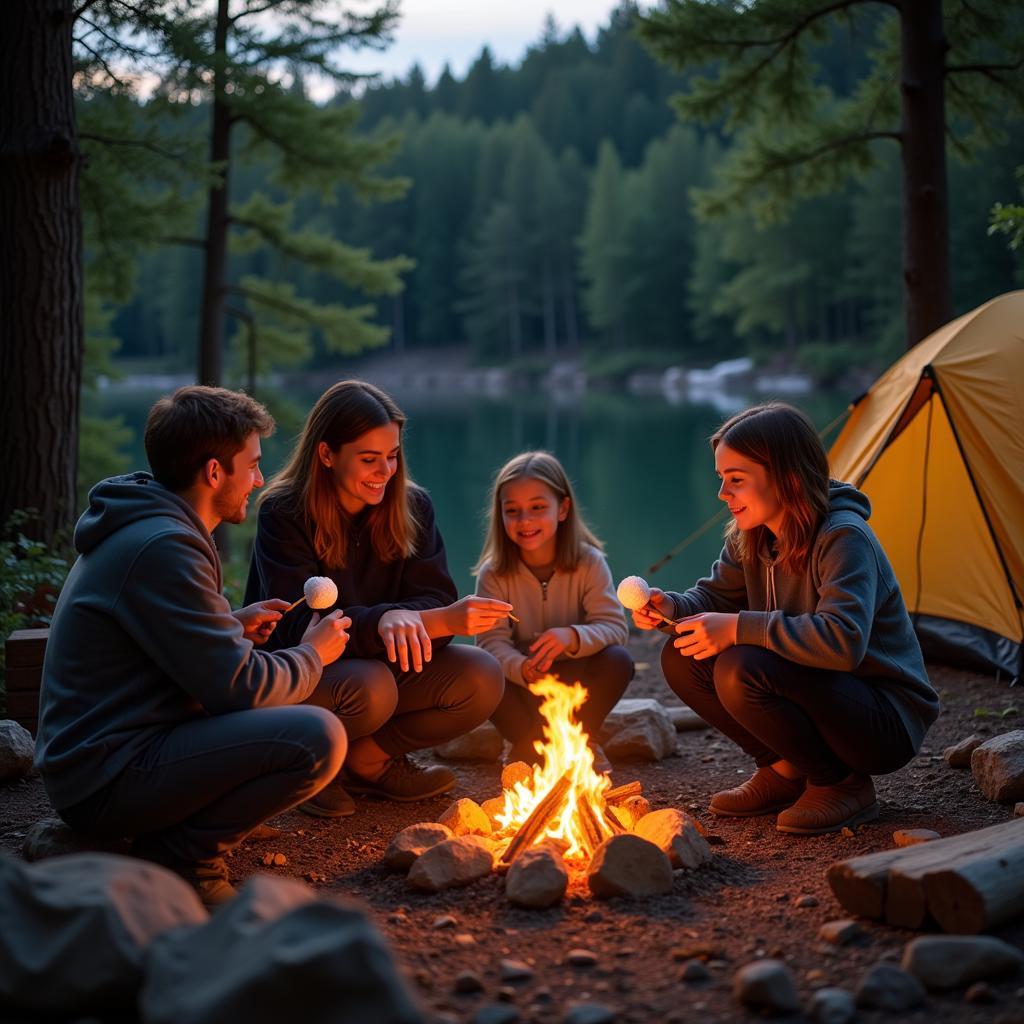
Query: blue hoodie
[{"x": 143, "y": 640}]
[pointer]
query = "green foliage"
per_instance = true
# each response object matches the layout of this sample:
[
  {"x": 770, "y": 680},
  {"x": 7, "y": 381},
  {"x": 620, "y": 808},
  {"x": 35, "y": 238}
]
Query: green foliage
[{"x": 1008, "y": 219}]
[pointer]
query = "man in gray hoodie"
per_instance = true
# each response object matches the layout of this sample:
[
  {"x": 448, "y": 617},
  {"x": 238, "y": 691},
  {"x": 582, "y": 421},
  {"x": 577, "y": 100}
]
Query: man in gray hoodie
[{"x": 160, "y": 719}]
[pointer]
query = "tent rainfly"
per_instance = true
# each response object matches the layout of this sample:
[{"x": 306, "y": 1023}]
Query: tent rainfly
[{"x": 937, "y": 444}]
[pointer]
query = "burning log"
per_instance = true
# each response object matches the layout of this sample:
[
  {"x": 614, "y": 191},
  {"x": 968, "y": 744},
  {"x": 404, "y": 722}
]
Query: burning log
[
  {"x": 620, "y": 793},
  {"x": 592, "y": 830},
  {"x": 537, "y": 821},
  {"x": 612, "y": 816}
]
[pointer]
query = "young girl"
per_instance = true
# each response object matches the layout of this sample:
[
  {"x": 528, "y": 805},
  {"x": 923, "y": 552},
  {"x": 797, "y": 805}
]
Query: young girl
[
  {"x": 345, "y": 507},
  {"x": 542, "y": 559},
  {"x": 798, "y": 646}
]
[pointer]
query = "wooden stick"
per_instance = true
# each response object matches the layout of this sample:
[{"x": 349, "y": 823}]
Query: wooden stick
[
  {"x": 535, "y": 823},
  {"x": 616, "y": 821},
  {"x": 620, "y": 793},
  {"x": 592, "y": 831},
  {"x": 293, "y": 605}
]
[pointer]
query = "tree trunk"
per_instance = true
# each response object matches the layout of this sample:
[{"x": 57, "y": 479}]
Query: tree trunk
[
  {"x": 41, "y": 327},
  {"x": 212, "y": 314},
  {"x": 548, "y": 290},
  {"x": 927, "y": 287}
]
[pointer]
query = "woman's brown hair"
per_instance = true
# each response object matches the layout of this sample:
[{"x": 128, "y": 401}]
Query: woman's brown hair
[
  {"x": 784, "y": 441},
  {"x": 500, "y": 550},
  {"x": 343, "y": 413}
]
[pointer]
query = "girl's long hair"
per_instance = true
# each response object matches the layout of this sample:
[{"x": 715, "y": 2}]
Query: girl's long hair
[
  {"x": 345, "y": 412},
  {"x": 783, "y": 440},
  {"x": 500, "y": 550}
]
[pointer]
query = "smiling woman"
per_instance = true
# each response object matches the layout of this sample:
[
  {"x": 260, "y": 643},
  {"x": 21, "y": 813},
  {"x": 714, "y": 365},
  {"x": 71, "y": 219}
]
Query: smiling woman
[{"x": 344, "y": 507}]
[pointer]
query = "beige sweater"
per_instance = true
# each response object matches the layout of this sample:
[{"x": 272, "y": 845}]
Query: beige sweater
[{"x": 584, "y": 599}]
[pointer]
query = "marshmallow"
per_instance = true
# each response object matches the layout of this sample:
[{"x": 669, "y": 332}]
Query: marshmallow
[
  {"x": 320, "y": 592},
  {"x": 633, "y": 592}
]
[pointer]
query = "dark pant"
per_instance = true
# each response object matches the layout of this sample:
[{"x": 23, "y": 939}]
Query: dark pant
[
  {"x": 825, "y": 723},
  {"x": 604, "y": 675},
  {"x": 202, "y": 786},
  {"x": 456, "y": 691}
]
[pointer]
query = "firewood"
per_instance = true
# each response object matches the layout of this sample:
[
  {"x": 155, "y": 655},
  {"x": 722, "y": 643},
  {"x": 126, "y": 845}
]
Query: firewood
[
  {"x": 616, "y": 822},
  {"x": 538, "y": 819},
  {"x": 890, "y": 884},
  {"x": 592, "y": 826},
  {"x": 620, "y": 793}
]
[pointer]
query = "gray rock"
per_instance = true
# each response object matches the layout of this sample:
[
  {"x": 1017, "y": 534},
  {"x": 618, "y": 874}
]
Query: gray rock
[
  {"x": 839, "y": 933},
  {"x": 685, "y": 719},
  {"x": 804, "y": 902},
  {"x": 465, "y": 817},
  {"x": 638, "y": 730},
  {"x": 766, "y": 985},
  {"x": 632, "y": 810},
  {"x": 452, "y": 863},
  {"x": 694, "y": 971},
  {"x": 514, "y": 970},
  {"x": 590, "y": 1013},
  {"x": 467, "y": 982},
  {"x": 537, "y": 878},
  {"x": 581, "y": 958},
  {"x": 885, "y": 987},
  {"x": 274, "y": 948},
  {"x": 959, "y": 755},
  {"x": 948, "y": 961},
  {"x": 17, "y": 749},
  {"x": 412, "y": 842},
  {"x": 496, "y": 1013},
  {"x": 914, "y": 836},
  {"x": 1018, "y": 810},
  {"x": 832, "y": 1006},
  {"x": 513, "y": 772},
  {"x": 492, "y": 808},
  {"x": 484, "y": 743},
  {"x": 676, "y": 835},
  {"x": 50, "y": 837},
  {"x": 74, "y": 930},
  {"x": 998, "y": 767},
  {"x": 627, "y": 865}
]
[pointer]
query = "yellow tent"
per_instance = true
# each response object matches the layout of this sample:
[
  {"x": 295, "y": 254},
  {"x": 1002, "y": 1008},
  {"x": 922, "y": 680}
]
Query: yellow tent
[{"x": 937, "y": 444}]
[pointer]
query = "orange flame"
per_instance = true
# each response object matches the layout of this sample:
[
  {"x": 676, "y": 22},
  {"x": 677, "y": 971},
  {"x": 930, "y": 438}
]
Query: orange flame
[{"x": 564, "y": 748}]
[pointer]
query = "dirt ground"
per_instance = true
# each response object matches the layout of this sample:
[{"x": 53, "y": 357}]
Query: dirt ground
[{"x": 748, "y": 904}]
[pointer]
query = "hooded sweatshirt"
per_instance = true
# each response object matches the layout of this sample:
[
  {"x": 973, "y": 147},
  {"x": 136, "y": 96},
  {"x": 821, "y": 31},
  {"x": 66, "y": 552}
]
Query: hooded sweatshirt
[
  {"x": 844, "y": 612},
  {"x": 142, "y": 640}
]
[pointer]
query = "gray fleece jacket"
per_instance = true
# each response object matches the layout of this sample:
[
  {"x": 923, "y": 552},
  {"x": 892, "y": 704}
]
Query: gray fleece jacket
[
  {"x": 142, "y": 640},
  {"x": 845, "y": 612}
]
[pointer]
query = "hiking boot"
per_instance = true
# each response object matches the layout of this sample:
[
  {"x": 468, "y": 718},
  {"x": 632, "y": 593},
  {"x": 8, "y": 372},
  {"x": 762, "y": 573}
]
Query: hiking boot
[
  {"x": 404, "y": 781},
  {"x": 764, "y": 792},
  {"x": 209, "y": 878},
  {"x": 331, "y": 802},
  {"x": 830, "y": 808},
  {"x": 213, "y": 892}
]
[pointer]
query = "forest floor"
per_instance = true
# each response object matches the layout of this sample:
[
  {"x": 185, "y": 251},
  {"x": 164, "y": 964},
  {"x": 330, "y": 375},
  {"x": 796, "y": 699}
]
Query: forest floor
[{"x": 750, "y": 903}]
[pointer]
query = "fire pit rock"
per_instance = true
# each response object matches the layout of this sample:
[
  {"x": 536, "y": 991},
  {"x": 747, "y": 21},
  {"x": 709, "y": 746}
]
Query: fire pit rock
[
  {"x": 998, "y": 767},
  {"x": 484, "y": 743},
  {"x": 513, "y": 772},
  {"x": 452, "y": 863},
  {"x": 465, "y": 817},
  {"x": 676, "y": 835},
  {"x": 537, "y": 877},
  {"x": 627, "y": 865},
  {"x": 412, "y": 842},
  {"x": 638, "y": 730},
  {"x": 17, "y": 749}
]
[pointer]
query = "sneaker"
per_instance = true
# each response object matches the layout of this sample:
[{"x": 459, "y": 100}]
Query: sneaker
[
  {"x": 209, "y": 878},
  {"x": 764, "y": 792},
  {"x": 831, "y": 808},
  {"x": 214, "y": 892},
  {"x": 331, "y": 802},
  {"x": 404, "y": 781}
]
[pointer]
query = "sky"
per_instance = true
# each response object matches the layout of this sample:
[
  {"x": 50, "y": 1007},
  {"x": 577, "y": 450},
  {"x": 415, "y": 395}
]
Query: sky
[{"x": 432, "y": 32}]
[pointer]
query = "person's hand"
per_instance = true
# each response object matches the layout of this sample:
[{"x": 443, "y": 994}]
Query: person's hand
[
  {"x": 705, "y": 635},
  {"x": 474, "y": 614},
  {"x": 405, "y": 638},
  {"x": 648, "y": 617},
  {"x": 258, "y": 620},
  {"x": 551, "y": 644},
  {"x": 530, "y": 673},
  {"x": 328, "y": 636}
]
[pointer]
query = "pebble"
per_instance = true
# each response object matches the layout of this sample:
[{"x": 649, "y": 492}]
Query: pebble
[
  {"x": 885, "y": 987},
  {"x": 766, "y": 984},
  {"x": 445, "y": 921},
  {"x": 694, "y": 971},
  {"x": 464, "y": 939},
  {"x": 914, "y": 836},
  {"x": 832, "y": 1006},
  {"x": 594, "y": 917},
  {"x": 496, "y": 1013},
  {"x": 807, "y": 901},
  {"x": 847, "y": 833},
  {"x": 581, "y": 958},
  {"x": 590, "y": 1013},
  {"x": 412, "y": 842},
  {"x": 839, "y": 933},
  {"x": 507, "y": 994},
  {"x": 468, "y": 982},
  {"x": 274, "y": 860},
  {"x": 980, "y": 992},
  {"x": 959, "y": 755},
  {"x": 515, "y": 970}
]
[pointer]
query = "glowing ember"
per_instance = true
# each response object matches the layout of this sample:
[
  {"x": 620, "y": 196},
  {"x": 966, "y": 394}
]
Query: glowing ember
[{"x": 565, "y": 753}]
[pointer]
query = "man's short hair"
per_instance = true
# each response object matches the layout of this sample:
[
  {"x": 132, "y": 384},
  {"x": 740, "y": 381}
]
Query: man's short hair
[{"x": 195, "y": 424}]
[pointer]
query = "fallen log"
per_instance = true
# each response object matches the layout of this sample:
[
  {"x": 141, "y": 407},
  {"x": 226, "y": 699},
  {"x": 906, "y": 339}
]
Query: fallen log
[
  {"x": 538, "y": 819},
  {"x": 890, "y": 885}
]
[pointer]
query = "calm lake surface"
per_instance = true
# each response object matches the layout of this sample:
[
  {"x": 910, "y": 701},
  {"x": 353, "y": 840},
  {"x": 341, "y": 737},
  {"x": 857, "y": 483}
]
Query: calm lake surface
[{"x": 642, "y": 468}]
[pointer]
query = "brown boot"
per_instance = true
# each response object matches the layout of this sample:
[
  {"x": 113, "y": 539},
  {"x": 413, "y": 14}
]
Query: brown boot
[
  {"x": 830, "y": 808},
  {"x": 764, "y": 792}
]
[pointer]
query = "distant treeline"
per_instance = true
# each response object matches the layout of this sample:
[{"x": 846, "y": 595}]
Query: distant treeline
[{"x": 549, "y": 213}]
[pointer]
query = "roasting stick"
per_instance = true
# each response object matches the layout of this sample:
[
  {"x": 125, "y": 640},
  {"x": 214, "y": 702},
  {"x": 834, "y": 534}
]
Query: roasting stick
[{"x": 634, "y": 593}]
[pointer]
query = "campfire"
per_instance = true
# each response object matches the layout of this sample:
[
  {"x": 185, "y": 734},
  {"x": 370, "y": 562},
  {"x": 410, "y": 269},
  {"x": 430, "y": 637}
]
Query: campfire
[{"x": 558, "y": 818}]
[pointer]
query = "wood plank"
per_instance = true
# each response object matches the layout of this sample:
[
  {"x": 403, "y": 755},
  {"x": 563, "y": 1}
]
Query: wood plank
[
  {"x": 23, "y": 678},
  {"x": 861, "y": 884},
  {"x": 25, "y": 648}
]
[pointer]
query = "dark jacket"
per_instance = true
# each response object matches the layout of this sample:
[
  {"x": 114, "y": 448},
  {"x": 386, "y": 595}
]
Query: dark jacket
[
  {"x": 845, "y": 612},
  {"x": 142, "y": 640},
  {"x": 284, "y": 557}
]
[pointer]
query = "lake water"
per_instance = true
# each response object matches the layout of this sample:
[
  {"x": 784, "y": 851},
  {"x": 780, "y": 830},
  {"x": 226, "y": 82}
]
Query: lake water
[{"x": 642, "y": 468}]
